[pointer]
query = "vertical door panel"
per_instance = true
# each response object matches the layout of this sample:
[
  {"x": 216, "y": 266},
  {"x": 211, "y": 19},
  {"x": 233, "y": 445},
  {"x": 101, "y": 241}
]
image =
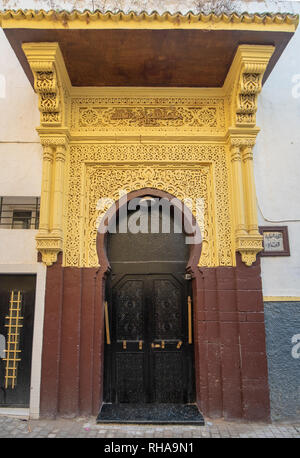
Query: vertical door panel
[
  {"x": 168, "y": 340},
  {"x": 128, "y": 330}
]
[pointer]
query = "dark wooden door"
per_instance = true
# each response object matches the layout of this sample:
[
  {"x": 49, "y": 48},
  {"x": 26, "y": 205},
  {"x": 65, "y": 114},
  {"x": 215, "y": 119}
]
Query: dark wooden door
[
  {"x": 16, "y": 333},
  {"x": 149, "y": 359}
]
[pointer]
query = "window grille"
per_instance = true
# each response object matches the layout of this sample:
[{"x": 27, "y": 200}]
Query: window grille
[{"x": 19, "y": 212}]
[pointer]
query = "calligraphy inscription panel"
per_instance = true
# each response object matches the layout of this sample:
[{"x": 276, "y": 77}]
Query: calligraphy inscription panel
[
  {"x": 148, "y": 115},
  {"x": 273, "y": 241}
]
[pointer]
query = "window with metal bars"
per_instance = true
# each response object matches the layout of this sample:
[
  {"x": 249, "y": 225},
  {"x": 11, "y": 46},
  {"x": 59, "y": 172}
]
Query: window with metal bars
[{"x": 19, "y": 212}]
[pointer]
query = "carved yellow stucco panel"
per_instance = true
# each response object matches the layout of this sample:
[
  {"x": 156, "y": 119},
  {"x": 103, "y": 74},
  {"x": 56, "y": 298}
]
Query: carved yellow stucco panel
[
  {"x": 186, "y": 171},
  {"x": 147, "y": 115}
]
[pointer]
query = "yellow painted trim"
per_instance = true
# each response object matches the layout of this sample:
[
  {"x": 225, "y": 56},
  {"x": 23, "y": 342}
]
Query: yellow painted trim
[
  {"x": 281, "y": 298},
  {"x": 138, "y": 91},
  {"x": 87, "y": 20}
]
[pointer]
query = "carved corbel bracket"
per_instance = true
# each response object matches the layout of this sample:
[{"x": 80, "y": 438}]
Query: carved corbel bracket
[
  {"x": 249, "y": 87},
  {"x": 51, "y": 81},
  {"x": 244, "y": 83}
]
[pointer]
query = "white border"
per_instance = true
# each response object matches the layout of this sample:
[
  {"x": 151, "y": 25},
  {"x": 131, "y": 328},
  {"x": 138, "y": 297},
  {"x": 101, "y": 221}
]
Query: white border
[{"x": 39, "y": 270}]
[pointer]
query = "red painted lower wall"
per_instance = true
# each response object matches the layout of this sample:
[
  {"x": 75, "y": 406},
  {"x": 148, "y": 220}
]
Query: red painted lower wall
[
  {"x": 231, "y": 361},
  {"x": 230, "y": 351}
]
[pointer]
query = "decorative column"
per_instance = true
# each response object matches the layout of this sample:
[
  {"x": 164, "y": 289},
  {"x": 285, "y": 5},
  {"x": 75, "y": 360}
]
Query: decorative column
[
  {"x": 247, "y": 156},
  {"x": 58, "y": 191},
  {"x": 53, "y": 86},
  {"x": 46, "y": 190},
  {"x": 242, "y": 85},
  {"x": 238, "y": 190},
  {"x": 248, "y": 240},
  {"x": 50, "y": 236}
]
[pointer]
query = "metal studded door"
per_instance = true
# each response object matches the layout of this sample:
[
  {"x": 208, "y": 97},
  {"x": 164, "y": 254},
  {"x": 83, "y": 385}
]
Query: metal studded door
[
  {"x": 128, "y": 338},
  {"x": 149, "y": 357},
  {"x": 17, "y": 296},
  {"x": 167, "y": 307}
]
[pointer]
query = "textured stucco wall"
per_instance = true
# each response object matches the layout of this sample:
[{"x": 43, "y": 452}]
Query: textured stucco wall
[{"x": 282, "y": 321}]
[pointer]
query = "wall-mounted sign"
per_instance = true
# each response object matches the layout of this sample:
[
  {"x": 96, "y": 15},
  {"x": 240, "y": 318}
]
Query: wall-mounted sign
[{"x": 275, "y": 241}]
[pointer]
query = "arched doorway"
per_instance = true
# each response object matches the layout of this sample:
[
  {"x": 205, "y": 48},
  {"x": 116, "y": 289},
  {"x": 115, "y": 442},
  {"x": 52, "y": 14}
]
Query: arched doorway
[{"x": 149, "y": 344}]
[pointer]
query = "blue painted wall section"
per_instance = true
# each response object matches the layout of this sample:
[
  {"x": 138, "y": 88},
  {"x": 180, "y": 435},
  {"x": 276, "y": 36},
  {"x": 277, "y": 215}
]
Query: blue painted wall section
[{"x": 282, "y": 321}]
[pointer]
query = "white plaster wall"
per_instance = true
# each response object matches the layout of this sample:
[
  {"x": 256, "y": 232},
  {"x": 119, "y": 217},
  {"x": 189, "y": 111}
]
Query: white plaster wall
[
  {"x": 18, "y": 246},
  {"x": 20, "y": 169},
  {"x": 277, "y": 166},
  {"x": 20, "y": 151},
  {"x": 18, "y": 102}
]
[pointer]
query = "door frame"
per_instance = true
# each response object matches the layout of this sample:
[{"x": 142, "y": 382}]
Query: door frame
[
  {"x": 191, "y": 269},
  {"x": 39, "y": 270}
]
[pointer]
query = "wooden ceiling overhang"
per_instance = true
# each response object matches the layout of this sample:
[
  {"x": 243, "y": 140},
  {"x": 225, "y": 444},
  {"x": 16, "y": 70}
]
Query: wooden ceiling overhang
[{"x": 147, "y": 50}]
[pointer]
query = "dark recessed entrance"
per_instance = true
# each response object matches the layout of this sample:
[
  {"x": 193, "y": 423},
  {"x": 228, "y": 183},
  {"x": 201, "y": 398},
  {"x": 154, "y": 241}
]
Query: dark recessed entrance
[
  {"x": 149, "y": 351},
  {"x": 17, "y": 299}
]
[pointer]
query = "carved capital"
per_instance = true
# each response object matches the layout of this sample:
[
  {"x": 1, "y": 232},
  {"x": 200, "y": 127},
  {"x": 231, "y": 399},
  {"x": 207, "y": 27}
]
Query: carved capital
[
  {"x": 53, "y": 140},
  {"x": 48, "y": 153},
  {"x": 49, "y": 246},
  {"x": 235, "y": 153},
  {"x": 242, "y": 142},
  {"x": 60, "y": 154},
  {"x": 247, "y": 153},
  {"x": 249, "y": 246}
]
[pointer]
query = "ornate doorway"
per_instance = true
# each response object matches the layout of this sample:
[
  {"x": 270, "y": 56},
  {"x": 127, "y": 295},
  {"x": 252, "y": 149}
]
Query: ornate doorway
[{"x": 149, "y": 352}]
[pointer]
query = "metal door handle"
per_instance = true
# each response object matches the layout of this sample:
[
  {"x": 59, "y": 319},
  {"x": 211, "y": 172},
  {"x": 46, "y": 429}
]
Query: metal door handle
[
  {"x": 179, "y": 344},
  {"x": 107, "y": 323},
  {"x": 162, "y": 345}
]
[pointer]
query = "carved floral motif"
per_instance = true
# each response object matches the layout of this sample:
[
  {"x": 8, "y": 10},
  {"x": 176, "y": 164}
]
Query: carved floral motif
[
  {"x": 49, "y": 97},
  {"x": 146, "y": 114},
  {"x": 101, "y": 170}
]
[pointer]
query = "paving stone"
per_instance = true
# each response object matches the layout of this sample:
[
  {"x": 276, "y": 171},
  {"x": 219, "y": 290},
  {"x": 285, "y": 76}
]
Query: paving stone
[{"x": 86, "y": 427}]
